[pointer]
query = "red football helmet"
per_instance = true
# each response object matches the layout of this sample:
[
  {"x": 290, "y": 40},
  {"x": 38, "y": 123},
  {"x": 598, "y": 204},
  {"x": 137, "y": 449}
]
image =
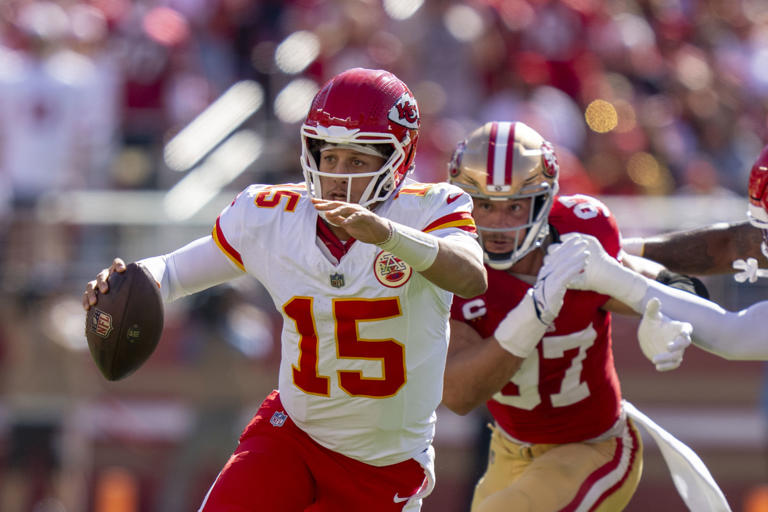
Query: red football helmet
[
  {"x": 758, "y": 197},
  {"x": 506, "y": 160},
  {"x": 362, "y": 107}
]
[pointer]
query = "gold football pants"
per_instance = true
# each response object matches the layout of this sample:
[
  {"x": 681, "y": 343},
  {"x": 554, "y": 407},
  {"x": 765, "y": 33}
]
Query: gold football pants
[{"x": 591, "y": 476}]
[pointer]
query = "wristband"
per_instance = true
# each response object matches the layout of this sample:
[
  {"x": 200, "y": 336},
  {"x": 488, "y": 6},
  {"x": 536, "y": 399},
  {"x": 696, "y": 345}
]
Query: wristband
[
  {"x": 521, "y": 330},
  {"x": 416, "y": 248}
]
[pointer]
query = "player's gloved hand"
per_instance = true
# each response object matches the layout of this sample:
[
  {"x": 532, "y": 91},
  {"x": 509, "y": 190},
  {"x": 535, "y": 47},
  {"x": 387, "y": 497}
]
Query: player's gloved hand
[
  {"x": 525, "y": 324},
  {"x": 662, "y": 339},
  {"x": 604, "y": 274},
  {"x": 749, "y": 270},
  {"x": 561, "y": 264}
]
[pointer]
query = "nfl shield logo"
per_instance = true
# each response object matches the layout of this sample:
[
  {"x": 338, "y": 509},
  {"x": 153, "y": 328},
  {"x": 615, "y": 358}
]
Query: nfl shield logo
[
  {"x": 337, "y": 280},
  {"x": 278, "y": 419},
  {"x": 101, "y": 323}
]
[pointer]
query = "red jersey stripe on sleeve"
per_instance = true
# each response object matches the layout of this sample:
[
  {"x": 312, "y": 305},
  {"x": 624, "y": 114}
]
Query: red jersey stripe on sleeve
[
  {"x": 221, "y": 241},
  {"x": 461, "y": 220}
]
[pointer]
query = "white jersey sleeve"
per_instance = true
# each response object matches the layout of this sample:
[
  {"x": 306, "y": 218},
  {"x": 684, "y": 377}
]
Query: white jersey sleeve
[
  {"x": 208, "y": 261},
  {"x": 736, "y": 335},
  {"x": 197, "y": 266}
]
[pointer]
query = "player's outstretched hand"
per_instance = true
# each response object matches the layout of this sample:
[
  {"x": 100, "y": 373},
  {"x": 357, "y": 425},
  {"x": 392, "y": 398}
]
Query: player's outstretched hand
[
  {"x": 561, "y": 264},
  {"x": 662, "y": 339},
  {"x": 605, "y": 274},
  {"x": 359, "y": 222},
  {"x": 749, "y": 270},
  {"x": 100, "y": 285}
]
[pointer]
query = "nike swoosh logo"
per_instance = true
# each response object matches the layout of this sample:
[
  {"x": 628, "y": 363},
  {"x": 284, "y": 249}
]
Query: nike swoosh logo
[
  {"x": 398, "y": 499},
  {"x": 452, "y": 198}
]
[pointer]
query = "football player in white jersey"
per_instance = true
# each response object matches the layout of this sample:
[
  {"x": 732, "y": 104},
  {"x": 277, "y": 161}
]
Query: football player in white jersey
[
  {"x": 736, "y": 335},
  {"x": 362, "y": 263}
]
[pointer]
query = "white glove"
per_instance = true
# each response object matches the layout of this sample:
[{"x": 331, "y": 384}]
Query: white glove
[
  {"x": 561, "y": 265},
  {"x": 749, "y": 270},
  {"x": 521, "y": 330},
  {"x": 662, "y": 339},
  {"x": 604, "y": 274}
]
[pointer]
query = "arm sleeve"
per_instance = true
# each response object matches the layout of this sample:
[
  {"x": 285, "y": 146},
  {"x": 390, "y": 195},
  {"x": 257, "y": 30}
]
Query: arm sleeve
[
  {"x": 195, "y": 267},
  {"x": 731, "y": 335}
]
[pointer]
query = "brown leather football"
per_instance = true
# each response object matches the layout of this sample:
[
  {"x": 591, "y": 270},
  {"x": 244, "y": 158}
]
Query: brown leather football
[{"x": 125, "y": 325}]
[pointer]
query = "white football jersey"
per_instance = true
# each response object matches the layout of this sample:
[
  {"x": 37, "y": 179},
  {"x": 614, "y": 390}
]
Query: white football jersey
[{"x": 364, "y": 341}]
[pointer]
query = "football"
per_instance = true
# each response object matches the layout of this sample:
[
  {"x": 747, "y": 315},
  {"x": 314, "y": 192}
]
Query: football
[{"x": 124, "y": 326}]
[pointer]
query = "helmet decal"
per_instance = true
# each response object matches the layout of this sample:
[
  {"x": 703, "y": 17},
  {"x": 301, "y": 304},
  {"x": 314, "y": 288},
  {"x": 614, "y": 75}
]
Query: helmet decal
[
  {"x": 454, "y": 166},
  {"x": 501, "y": 156},
  {"x": 551, "y": 167},
  {"x": 405, "y": 112}
]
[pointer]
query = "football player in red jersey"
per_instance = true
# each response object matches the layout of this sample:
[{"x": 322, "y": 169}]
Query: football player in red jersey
[
  {"x": 720, "y": 248},
  {"x": 538, "y": 355},
  {"x": 362, "y": 262}
]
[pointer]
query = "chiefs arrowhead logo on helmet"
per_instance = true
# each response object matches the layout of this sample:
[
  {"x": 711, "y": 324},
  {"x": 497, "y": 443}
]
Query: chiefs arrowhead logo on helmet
[{"x": 405, "y": 112}]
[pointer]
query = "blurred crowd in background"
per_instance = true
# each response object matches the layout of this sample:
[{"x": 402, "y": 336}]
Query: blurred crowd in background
[{"x": 181, "y": 102}]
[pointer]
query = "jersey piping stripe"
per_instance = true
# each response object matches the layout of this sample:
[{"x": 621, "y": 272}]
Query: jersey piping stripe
[
  {"x": 417, "y": 190},
  {"x": 609, "y": 477},
  {"x": 461, "y": 220},
  {"x": 221, "y": 241}
]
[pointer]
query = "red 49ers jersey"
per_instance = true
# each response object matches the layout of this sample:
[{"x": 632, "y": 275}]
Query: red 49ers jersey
[{"x": 567, "y": 390}]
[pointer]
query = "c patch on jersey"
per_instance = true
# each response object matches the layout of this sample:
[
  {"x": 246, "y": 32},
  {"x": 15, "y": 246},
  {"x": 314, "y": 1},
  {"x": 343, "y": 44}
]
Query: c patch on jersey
[{"x": 390, "y": 270}]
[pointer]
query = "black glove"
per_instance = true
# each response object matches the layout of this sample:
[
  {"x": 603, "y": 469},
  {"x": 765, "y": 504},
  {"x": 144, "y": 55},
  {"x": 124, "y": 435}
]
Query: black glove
[{"x": 682, "y": 282}]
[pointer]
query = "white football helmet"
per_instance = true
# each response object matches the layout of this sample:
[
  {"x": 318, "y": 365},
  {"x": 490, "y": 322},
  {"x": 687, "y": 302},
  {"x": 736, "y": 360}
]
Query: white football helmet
[{"x": 508, "y": 160}]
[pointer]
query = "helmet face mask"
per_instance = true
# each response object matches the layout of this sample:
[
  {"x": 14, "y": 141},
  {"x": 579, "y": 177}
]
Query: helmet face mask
[
  {"x": 362, "y": 107},
  {"x": 508, "y": 161},
  {"x": 524, "y": 237},
  {"x": 381, "y": 182}
]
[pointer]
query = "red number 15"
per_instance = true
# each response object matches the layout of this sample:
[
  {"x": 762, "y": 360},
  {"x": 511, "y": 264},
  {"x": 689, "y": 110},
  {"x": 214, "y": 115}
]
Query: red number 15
[{"x": 347, "y": 313}]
